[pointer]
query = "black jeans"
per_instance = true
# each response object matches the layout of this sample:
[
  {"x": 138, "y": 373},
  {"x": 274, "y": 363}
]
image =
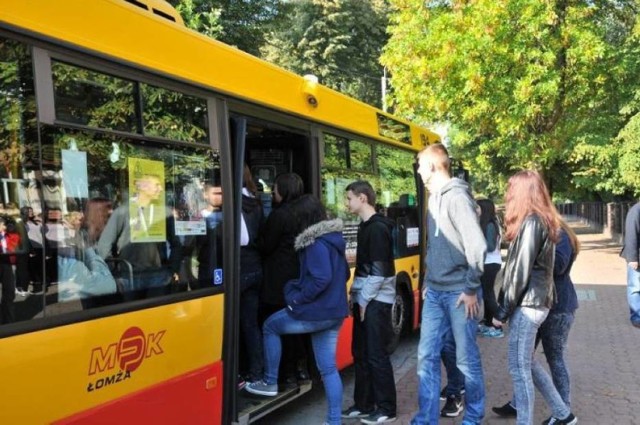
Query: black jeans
[
  {"x": 8, "y": 281},
  {"x": 488, "y": 279},
  {"x": 249, "y": 328},
  {"x": 375, "y": 386}
]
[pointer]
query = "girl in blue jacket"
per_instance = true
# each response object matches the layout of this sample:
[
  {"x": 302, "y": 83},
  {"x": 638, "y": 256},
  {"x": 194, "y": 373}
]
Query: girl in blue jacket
[{"x": 316, "y": 302}]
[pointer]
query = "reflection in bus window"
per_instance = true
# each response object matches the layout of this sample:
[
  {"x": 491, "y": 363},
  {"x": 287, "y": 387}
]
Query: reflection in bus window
[
  {"x": 93, "y": 99},
  {"x": 121, "y": 221},
  {"x": 18, "y": 188},
  {"x": 335, "y": 151},
  {"x": 209, "y": 244},
  {"x": 394, "y": 184},
  {"x": 399, "y": 197},
  {"x": 360, "y": 156},
  {"x": 174, "y": 115}
]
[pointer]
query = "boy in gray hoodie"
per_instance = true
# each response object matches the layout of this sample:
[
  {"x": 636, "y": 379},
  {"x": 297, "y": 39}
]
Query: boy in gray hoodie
[{"x": 455, "y": 259}]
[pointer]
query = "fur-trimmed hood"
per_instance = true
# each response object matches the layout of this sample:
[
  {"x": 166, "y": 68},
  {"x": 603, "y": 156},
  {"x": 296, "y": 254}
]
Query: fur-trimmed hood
[{"x": 329, "y": 230}]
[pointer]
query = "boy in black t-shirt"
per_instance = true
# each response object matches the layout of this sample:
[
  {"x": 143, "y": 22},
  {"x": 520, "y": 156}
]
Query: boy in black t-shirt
[{"x": 372, "y": 295}]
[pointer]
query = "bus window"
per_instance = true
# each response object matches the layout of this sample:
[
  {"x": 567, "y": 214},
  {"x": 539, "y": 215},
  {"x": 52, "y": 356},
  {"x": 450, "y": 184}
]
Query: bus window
[
  {"x": 360, "y": 156},
  {"x": 335, "y": 151},
  {"x": 127, "y": 220},
  {"x": 174, "y": 115},
  {"x": 345, "y": 161},
  {"x": 394, "y": 186},
  {"x": 398, "y": 197},
  {"x": 93, "y": 99}
]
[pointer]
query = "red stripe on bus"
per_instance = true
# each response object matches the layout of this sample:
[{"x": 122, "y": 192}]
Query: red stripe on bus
[{"x": 193, "y": 398}]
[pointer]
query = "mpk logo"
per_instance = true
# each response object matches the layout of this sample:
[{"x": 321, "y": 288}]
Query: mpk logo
[{"x": 128, "y": 353}]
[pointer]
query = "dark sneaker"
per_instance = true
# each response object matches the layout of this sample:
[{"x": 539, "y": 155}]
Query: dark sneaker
[
  {"x": 569, "y": 420},
  {"x": 354, "y": 413},
  {"x": 452, "y": 408},
  {"x": 302, "y": 376},
  {"x": 443, "y": 393},
  {"x": 378, "y": 417},
  {"x": 289, "y": 383},
  {"x": 506, "y": 411},
  {"x": 262, "y": 388}
]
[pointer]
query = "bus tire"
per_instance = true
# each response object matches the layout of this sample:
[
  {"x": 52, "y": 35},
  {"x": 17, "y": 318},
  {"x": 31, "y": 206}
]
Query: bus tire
[{"x": 400, "y": 312}]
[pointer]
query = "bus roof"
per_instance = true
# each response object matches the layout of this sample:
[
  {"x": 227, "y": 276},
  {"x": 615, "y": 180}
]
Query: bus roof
[{"x": 154, "y": 38}]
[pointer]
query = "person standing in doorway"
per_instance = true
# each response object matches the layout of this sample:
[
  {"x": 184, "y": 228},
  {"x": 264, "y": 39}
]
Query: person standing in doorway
[
  {"x": 630, "y": 252},
  {"x": 372, "y": 295},
  {"x": 250, "y": 276},
  {"x": 456, "y": 249},
  {"x": 280, "y": 265},
  {"x": 316, "y": 303}
]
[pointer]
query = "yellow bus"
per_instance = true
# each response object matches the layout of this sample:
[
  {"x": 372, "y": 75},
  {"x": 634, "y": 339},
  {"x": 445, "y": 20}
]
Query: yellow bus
[{"x": 113, "y": 116}]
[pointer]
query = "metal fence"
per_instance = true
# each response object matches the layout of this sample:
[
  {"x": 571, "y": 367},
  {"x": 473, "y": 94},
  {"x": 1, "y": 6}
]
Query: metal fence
[{"x": 603, "y": 217}]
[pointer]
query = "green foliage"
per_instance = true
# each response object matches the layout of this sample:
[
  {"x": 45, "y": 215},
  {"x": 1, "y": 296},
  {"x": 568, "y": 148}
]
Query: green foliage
[
  {"x": 200, "y": 16},
  {"x": 628, "y": 142},
  {"x": 527, "y": 84},
  {"x": 629, "y": 154},
  {"x": 240, "y": 23},
  {"x": 348, "y": 160},
  {"x": 17, "y": 106},
  {"x": 339, "y": 41}
]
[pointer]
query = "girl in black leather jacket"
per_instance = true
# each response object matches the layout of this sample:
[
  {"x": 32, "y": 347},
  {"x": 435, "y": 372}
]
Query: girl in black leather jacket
[{"x": 528, "y": 291}]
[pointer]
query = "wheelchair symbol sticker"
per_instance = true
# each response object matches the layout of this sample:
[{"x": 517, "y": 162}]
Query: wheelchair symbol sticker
[{"x": 217, "y": 277}]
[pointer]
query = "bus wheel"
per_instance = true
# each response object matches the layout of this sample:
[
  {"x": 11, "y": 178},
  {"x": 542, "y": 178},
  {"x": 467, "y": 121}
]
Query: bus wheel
[{"x": 399, "y": 318}]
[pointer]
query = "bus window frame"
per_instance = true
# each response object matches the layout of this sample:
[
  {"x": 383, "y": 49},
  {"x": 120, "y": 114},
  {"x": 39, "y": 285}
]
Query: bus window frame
[{"x": 45, "y": 102}]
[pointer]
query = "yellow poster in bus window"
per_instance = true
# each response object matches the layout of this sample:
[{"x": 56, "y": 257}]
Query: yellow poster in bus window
[{"x": 147, "y": 217}]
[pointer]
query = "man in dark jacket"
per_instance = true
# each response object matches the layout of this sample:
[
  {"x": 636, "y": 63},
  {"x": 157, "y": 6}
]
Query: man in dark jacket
[
  {"x": 372, "y": 295},
  {"x": 630, "y": 254},
  {"x": 250, "y": 277}
]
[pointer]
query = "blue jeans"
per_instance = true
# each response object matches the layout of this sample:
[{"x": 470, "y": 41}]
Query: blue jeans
[
  {"x": 633, "y": 294},
  {"x": 440, "y": 316},
  {"x": 324, "y": 337},
  {"x": 455, "y": 378},
  {"x": 554, "y": 334},
  {"x": 525, "y": 370}
]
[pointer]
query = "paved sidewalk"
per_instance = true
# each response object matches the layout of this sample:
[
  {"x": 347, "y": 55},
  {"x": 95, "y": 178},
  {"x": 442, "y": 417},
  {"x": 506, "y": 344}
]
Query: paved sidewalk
[{"x": 603, "y": 352}]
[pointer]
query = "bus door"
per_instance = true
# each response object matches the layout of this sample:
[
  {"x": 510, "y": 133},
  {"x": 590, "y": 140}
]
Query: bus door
[{"x": 267, "y": 149}]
